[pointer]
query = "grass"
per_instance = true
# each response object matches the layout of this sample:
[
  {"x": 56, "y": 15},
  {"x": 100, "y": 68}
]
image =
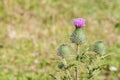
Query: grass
[{"x": 31, "y": 30}]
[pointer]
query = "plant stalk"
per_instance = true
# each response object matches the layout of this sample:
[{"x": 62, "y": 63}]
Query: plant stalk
[
  {"x": 76, "y": 69},
  {"x": 67, "y": 71}
]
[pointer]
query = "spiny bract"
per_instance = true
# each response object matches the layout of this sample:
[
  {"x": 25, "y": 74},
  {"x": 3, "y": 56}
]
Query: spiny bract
[
  {"x": 78, "y": 36},
  {"x": 99, "y": 47},
  {"x": 64, "y": 50}
]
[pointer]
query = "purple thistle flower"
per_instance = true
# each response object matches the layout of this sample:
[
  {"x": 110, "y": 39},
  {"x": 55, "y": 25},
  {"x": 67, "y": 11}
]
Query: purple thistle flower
[{"x": 79, "y": 22}]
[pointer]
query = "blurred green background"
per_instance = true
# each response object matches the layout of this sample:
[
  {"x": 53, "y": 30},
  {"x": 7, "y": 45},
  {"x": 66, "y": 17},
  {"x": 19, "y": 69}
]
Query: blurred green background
[{"x": 31, "y": 31}]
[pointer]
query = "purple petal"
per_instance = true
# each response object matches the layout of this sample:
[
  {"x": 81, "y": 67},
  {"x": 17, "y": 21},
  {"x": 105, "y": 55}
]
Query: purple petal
[{"x": 79, "y": 22}]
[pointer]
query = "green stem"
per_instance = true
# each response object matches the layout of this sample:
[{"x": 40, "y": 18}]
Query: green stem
[
  {"x": 67, "y": 71},
  {"x": 76, "y": 69},
  {"x": 77, "y": 50}
]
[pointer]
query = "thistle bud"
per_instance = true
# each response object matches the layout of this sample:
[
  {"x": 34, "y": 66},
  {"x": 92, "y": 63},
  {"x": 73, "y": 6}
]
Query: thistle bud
[
  {"x": 78, "y": 36},
  {"x": 64, "y": 50},
  {"x": 61, "y": 65},
  {"x": 99, "y": 47}
]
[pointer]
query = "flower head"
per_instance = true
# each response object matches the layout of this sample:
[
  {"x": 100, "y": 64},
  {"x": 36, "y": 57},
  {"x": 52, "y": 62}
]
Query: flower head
[{"x": 79, "y": 22}]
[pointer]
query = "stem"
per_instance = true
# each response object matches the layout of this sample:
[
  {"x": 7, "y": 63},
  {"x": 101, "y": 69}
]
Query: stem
[
  {"x": 90, "y": 72},
  {"x": 53, "y": 76},
  {"x": 77, "y": 50},
  {"x": 76, "y": 69},
  {"x": 67, "y": 71},
  {"x": 76, "y": 73}
]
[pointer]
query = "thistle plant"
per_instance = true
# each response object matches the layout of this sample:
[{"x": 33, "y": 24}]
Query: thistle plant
[{"x": 86, "y": 62}]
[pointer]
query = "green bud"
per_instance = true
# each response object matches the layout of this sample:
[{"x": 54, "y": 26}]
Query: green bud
[
  {"x": 99, "y": 47},
  {"x": 78, "y": 36},
  {"x": 61, "y": 65},
  {"x": 64, "y": 50}
]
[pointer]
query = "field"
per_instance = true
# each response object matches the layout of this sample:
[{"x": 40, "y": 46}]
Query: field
[{"x": 32, "y": 30}]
